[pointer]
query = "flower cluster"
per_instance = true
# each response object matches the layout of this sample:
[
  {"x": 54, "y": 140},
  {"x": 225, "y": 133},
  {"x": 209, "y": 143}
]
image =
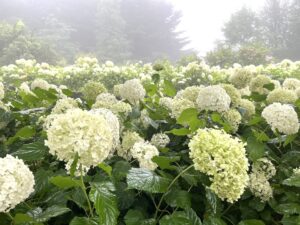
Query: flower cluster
[
  {"x": 144, "y": 152},
  {"x": 40, "y": 83},
  {"x": 281, "y": 117},
  {"x": 291, "y": 83},
  {"x": 92, "y": 89},
  {"x": 16, "y": 182},
  {"x": 133, "y": 91},
  {"x": 282, "y": 95},
  {"x": 62, "y": 105},
  {"x": 129, "y": 138},
  {"x": 257, "y": 84},
  {"x": 179, "y": 105},
  {"x": 233, "y": 93},
  {"x": 213, "y": 98},
  {"x": 248, "y": 107},
  {"x": 90, "y": 135},
  {"x": 160, "y": 140},
  {"x": 262, "y": 171},
  {"x": 240, "y": 78},
  {"x": 190, "y": 93},
  {"x": 223, "y": 159},
  {"x": 1, "y": 91},
  {"x": 234, "y": 118}
]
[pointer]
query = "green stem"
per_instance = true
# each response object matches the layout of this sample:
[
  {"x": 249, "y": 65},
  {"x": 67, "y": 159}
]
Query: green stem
[
  {"x": 83, "y": 188},
  {"x": 170, "y": 185},
  {"x": 10, "y": 216}
]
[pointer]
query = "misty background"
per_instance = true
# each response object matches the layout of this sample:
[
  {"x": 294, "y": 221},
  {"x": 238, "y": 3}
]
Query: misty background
[{"x": 220, "y": 32}]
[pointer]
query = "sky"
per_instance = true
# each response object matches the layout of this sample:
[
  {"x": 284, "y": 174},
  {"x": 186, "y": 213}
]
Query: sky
[{"x": 202, "y": 20}]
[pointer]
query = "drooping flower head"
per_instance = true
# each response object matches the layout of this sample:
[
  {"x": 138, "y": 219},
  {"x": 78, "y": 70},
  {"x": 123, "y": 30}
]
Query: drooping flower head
[
  {"x": 16, "y": 182},
  {"x": 223, "y": 159}
]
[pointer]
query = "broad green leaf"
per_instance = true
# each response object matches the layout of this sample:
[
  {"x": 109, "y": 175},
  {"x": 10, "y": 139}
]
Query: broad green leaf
[
  {"x": 134, "y": 217},
  {"x": 180, "y": 132},
  {"x": 251, "y": 222},
  {"x": 178, "y": 198},
  {"x": 256, "y": 149},
  {"x": 169, "y": 88},
  {"x": 213, "y": 221},
  {"x": 106, "y": 168},
  {"x": 146, "y": 180},
  {"x": 65, "y": 182},
  {"x": 290, "y": 220},
  {"x": 24, "y": 133},
  {"x": 289, "y": 139},
  {"x": 294, "y": 180},
  {"x": 52, "y": 211},
  {"x": 211, "y": 200},
  {"x": 269, "y": 86},
  {"x": 21, "y": 218},
  {"x": 258, "y": 97},
  {"x": 105, "y": 202},
  {"x": 255, "y": 120},
  {"x": 164, "y": 162},
  {"x": 187, "y": 115},
  {"x": 74, "y": 165},
  {"x": 120, "y": 169},
  {"x": 83, "y": 221},
  {"x": 288, "y": 208},
  {"x": 188, "y": 217},
  {"x": 31, "y": 152}
]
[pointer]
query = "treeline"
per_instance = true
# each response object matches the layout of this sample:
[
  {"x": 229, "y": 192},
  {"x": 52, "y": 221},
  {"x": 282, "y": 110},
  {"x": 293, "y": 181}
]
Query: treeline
[
  {"x": 120, "y": 30},
  {"x": 258, "y": 37}
]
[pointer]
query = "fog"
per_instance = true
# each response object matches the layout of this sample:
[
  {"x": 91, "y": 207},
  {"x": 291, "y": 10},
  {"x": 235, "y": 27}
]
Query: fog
[{"x": 58, "y": 31}]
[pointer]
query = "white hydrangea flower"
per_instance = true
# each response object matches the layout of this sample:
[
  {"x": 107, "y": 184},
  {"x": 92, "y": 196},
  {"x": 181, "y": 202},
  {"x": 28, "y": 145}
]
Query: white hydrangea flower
[
  {"x": 62, "y": 105},
  {"x": 234, "y": 118},
  {"x": 223, "y": 158},
  {"x": 166, "y": 102},
  {"x": 179, "y": 105},
  {"x": 241, "y": 77},
  {"x": 16, "y": 182},
  {"x": 129, "y": 138},
  {"x": 160, "y": 140},
  {"x": 257, "y": 84},
  {"x": 291, "y": 83},
  {"x": 264, "y": 166},
  {"x": 281, "y": 117},
  {"x": 248, "y": 106},
  {"x": 144, "y": 152},
  {"x": 85, "y": 133},
  {"x": 260, "y": 186},
  {"x": 40, "y": 83},
  {"x": 25, "y": 88},
  {"x": 133, "y": 91},
  {"x": 213, "y": 98},
  {"x": 1, "y": 91},
  {"x": 190, "y": 93},
  {"x": 282, "y": 95}
]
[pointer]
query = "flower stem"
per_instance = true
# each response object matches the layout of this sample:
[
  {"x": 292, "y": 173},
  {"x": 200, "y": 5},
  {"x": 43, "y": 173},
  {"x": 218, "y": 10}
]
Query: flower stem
[
  {"x": 83, "y": 188},
  {"x": 170, "y": 185}
]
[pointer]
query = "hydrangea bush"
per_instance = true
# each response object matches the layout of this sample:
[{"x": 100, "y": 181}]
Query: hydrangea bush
[{"x": 147, "y": 144}]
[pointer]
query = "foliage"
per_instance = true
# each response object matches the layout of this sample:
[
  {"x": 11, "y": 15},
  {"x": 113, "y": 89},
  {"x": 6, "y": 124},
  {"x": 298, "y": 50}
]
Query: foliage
[{"x": 123, "y": 190}]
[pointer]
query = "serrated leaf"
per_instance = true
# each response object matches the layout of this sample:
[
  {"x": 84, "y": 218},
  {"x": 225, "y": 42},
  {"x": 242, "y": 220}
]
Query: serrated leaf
[
  {"x": 294, "y": 180},
  {"x": 164, "y": 162},
  {"x": 290, "y": 220},
  {"x": 169, "y": 88},
  {"x": 24, "y": 133},
  {"x": 187, "y": 115},
  {"x": 31, "y": 152},
  {"x": 52, "y": 211},
  {"x": 178, "y": 198},
  {"x": 251, "y": 222},
  {"x": 211, "y": 200},
  {"x": 180, "y": 132},
  {"x": 106, "y": 168},
  {"x": 255, "y": 149},
  {"x": 83, "y": 221},
  {"x": 134, "y": 217},
  {"x": 105, "y": 202},
  {"x": 120, "y": 169},
  {"x": 188, "y": 217},
  {"x": 288, "y": 208},
  {"x": 213, "y": 221},
  {"x": 65, "y": 182},
  {"x": 146, "y": 180},
  {"x": 22, "y": 218}
]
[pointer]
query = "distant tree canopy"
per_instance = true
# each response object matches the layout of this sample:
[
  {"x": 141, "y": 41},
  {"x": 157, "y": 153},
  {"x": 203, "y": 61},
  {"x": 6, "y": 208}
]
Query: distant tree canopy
[
  {"x": 17, "y": 42},
  {"x": 275, "y": 31},
  {"x": 117, "y": 30}
]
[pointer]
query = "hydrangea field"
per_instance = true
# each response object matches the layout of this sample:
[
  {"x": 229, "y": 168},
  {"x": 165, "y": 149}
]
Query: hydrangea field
[{"x": 146, "y": 144}]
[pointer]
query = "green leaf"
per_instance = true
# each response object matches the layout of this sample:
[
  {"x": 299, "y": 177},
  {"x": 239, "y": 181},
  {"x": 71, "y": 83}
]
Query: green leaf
[
  {"x": 21, "y": 218},
  {"x": 258, "y": 97},
  {"x": 294, "y": 180},
  {"x": 164, "y": 162},
  {"x": 31, "y": 152},
  {"x": 289, "y": 139},
  {"x": 146, "y": 180},
  {"x": 134, "y": 217},
  {"x": 52, "y": 211},
  {"x": 24, "y": 133},
  {"x": 65, "y": 182},
  {"x": 74, "y": 165},
  {"x": 169, "y": 88},
  {"x": 288, "y": 208},
  {"x": 120, "y": 169},
  {"x": 188, "y": 217},
  {"x": 106, "y": 168},
  {"x": 178, "y": 198},
  {"x": 255, "y": 120},
  {"x": 180, "y": 132},
  {"x": 105, "y": 202},
  {"x": 251, "y": 222},
  {"x": 212, "y": 201},
  {"x": 83, "y": 221},
  {"x": 187, "y": 115},
  {"x": 290, "y": 220},
  {"x": 213, "y": 221},
  {"x": 269, "y": 86},
  {"x": 256, "y": 149}
]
